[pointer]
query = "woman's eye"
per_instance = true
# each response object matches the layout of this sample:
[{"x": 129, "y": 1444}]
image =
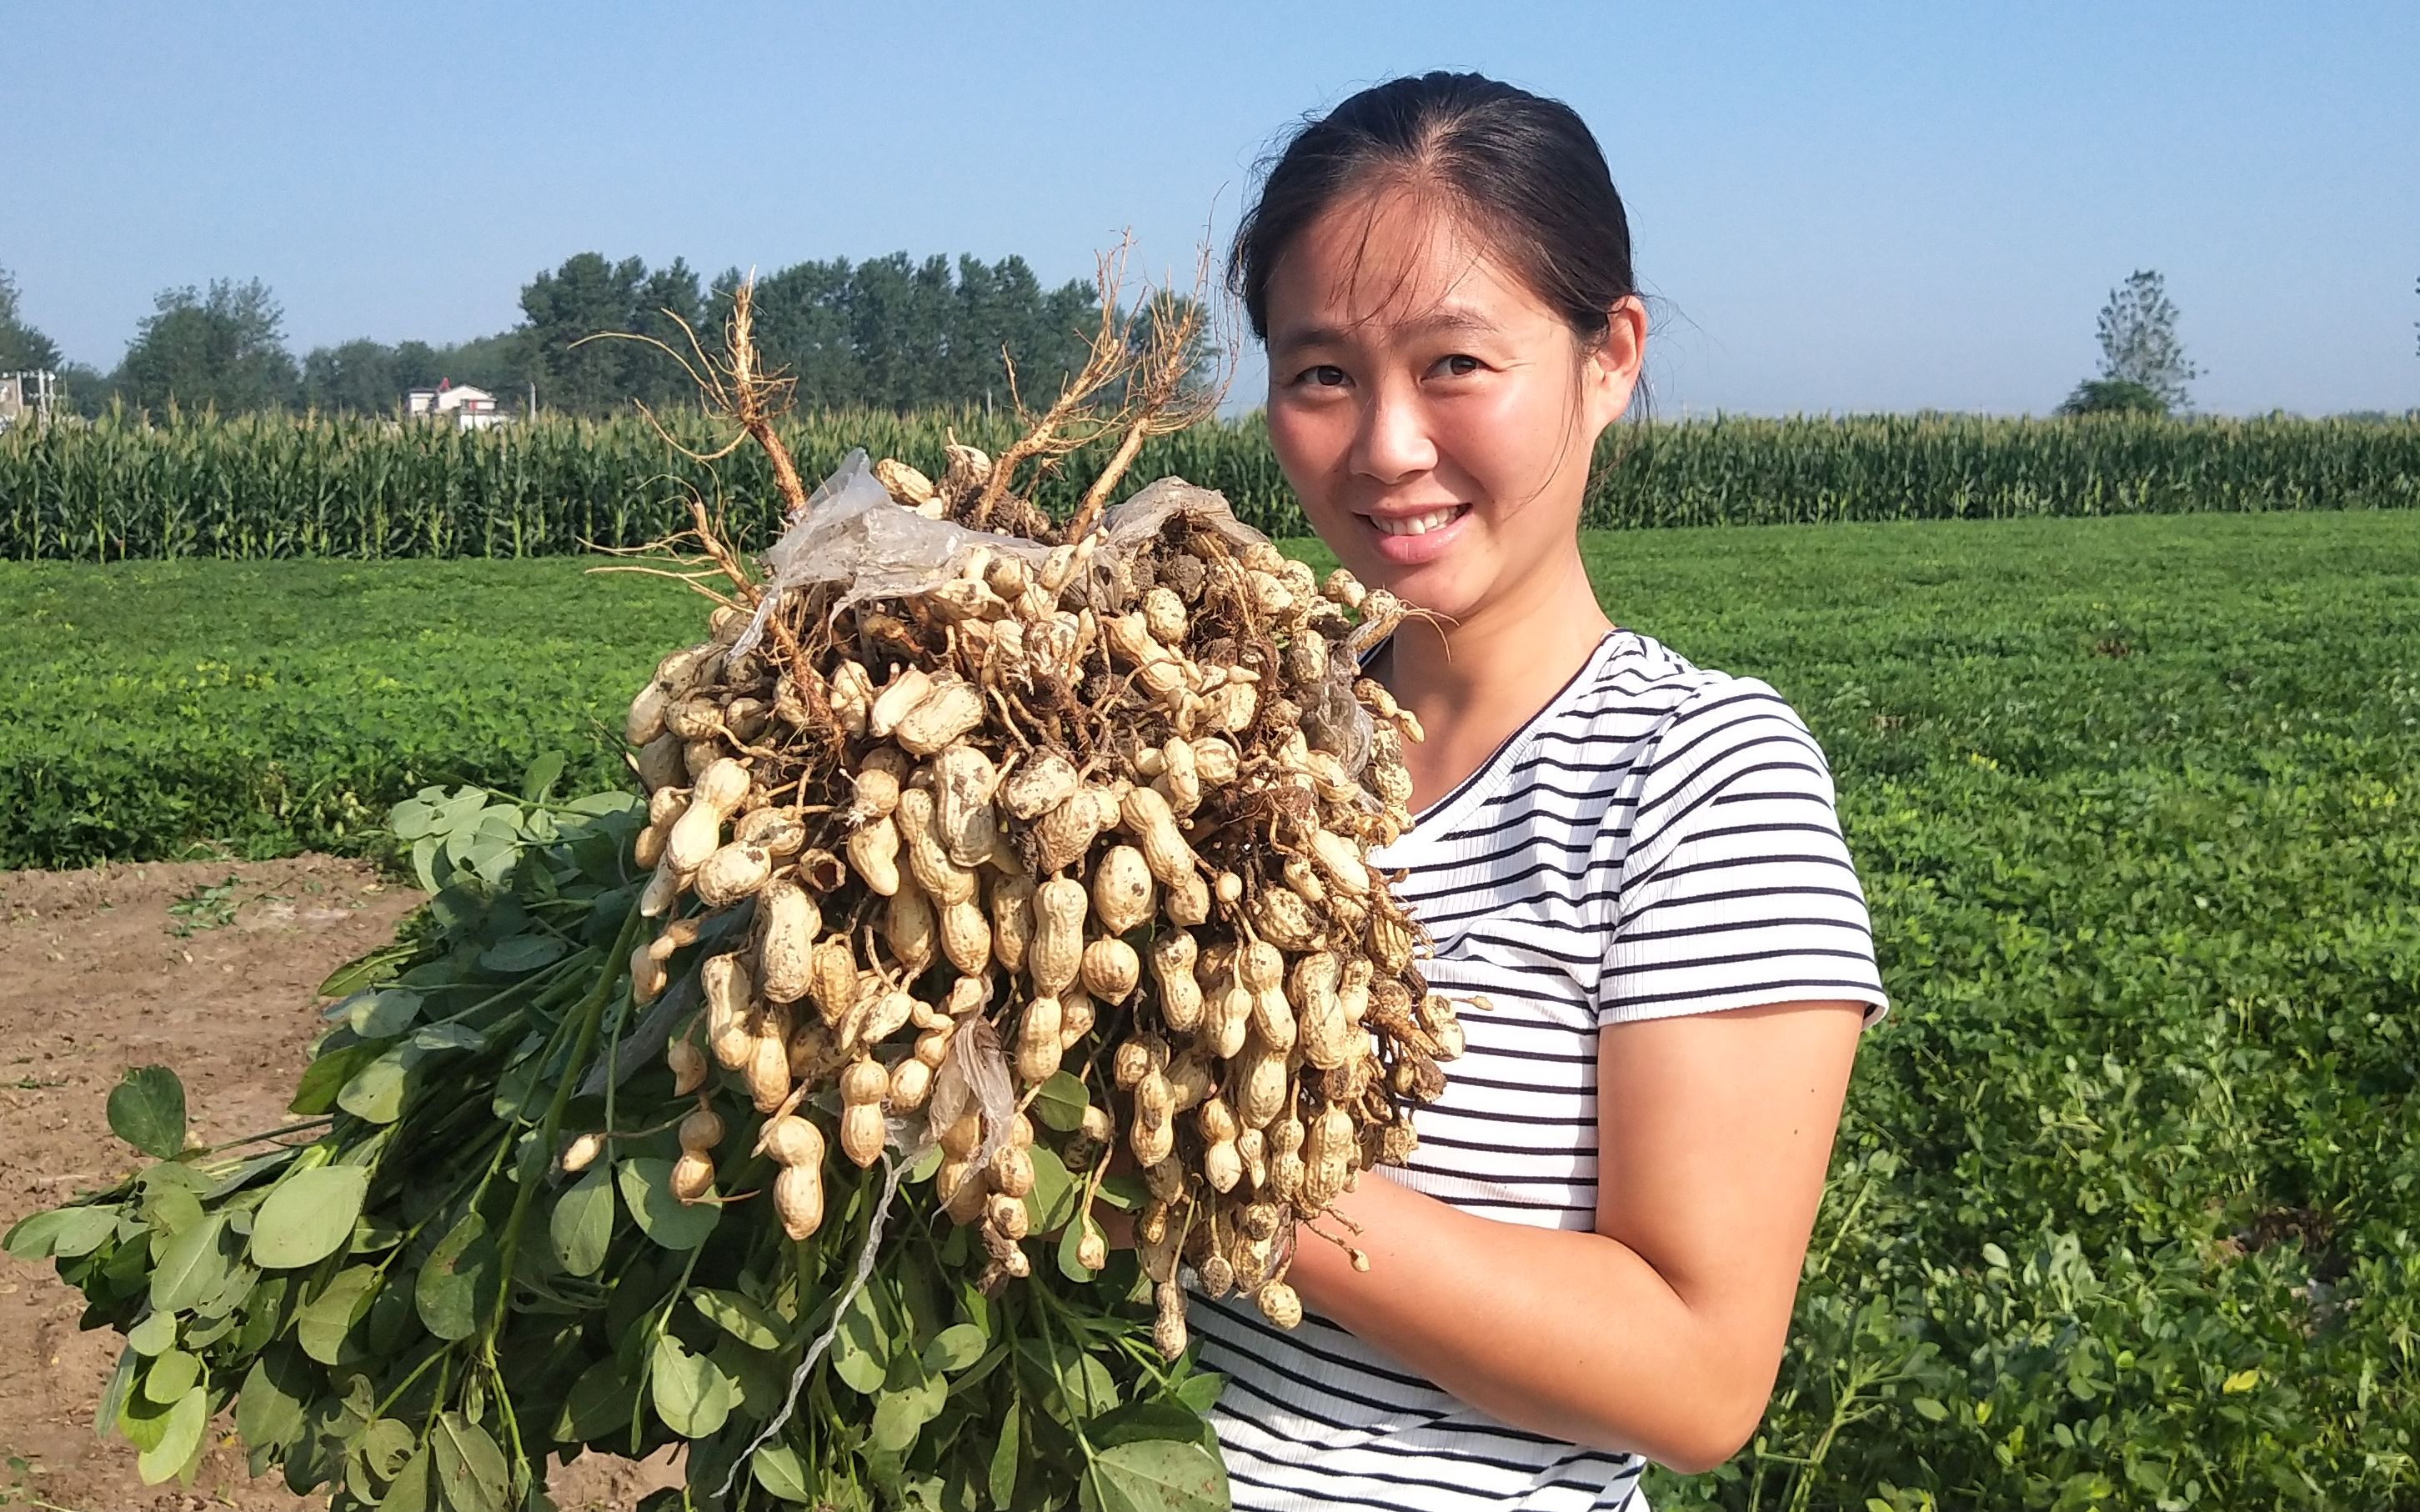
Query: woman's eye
[
  {"x": 1325, "y": 376},
  {"x": 1460, "y": 365}
]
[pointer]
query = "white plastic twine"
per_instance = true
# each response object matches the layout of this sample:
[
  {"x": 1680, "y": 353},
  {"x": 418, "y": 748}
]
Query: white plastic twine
[
  {"x": 974, "y": 1074},
  {"x": 893, "y": 1170}
]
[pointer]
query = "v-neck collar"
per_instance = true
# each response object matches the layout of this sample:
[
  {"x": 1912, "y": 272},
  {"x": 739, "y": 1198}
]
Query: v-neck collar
[{"x": 1488, "y": 776}]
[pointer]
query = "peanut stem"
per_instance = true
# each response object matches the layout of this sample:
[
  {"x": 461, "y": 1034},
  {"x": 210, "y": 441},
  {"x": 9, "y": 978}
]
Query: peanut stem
[{"x": 590, "y": 1011}]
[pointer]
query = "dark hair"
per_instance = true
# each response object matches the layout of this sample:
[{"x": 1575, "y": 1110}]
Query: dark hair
[{"x": 1524, "y": 170}]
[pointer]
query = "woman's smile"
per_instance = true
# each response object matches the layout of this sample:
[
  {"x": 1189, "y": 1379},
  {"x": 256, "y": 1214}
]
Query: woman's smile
[{"x": 1410, "y": 537}]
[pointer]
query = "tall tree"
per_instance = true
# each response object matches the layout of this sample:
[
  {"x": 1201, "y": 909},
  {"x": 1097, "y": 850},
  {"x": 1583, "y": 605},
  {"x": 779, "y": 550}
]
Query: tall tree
[
  {"x": 22, "y": 347},
  {"x": 895, "y": 332},
  {"x": 226, "y": 348},
  {"x": 2139, "y": 346},
  {"x": 667, "y": 299},
  {"x": 588, "y": 296},
  {"x": 356, "y": 378}
]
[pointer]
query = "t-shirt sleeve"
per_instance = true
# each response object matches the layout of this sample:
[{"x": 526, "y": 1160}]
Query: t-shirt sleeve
[{"x": 1736, "y": 887}]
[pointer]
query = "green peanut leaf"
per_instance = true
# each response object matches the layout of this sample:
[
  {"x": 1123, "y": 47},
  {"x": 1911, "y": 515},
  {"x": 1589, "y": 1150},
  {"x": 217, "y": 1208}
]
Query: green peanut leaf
[
  {"x": 114, "y": 1392},
  {"x": 196, "y": 1263},
  {"x": 691, "y": 1393},
  {"x": 954, "y": 1348},
  {"x": 381, "y": 1014},
  {"x": 898, "y": 1417},
  {"x": 154, "y": 1335},
  {"x": 777, "y": 1468},
  {"x": 523, "y": 952},
  {"x": 308, "y": 1216},
  {"x": 543, "y": 774},
  {"x": 1001, "y": 1479},
  {"x": 581, "y": 1225},
  {"x": 1149, "y": 1419},
  {"x": 386, "y": 1446},
  {"x": 65, "y": 1233},
  {"x": 739, "y": 1317},
  {"x": 179, "y": 1438},
  {"x": 411, "y": 1490},
  {"x": 323, "y": 1325},
  {"x": 171, "y": 1376},
  {"x": 471, "y": 1472},
  {"x": 459, "y": 1280},
  {"x": 646, "y": 1185},
  {"x": 1059, "y": 1103},
  {"x": 375, "y": 1094},
  {"x": 84, "y": 1230},
  {"x": 412, "y": 819},
  {"x": 32, "y": 1237},
  {"x": 1085, "y": 1388},
  {"x": 433, "y": 1038},
  {"x": 424, "y": 863},
  {"x": 1155, "y": 1475},
  {"x": 861, "y": 1349},
  {"x": 269, "y": 1405},
  {"x": 170, "y": 1206},
  {"x": 327, "y": 1077},
  {"x": 1053, "y": 1201},
  {"x": 361, "y": 970},
  {"x": 1200, "y": 1391},
  {"x": 760, "y": 1379},
  {"x": 599, "y": 1403},
  {"x": 147, "y": 1109}
]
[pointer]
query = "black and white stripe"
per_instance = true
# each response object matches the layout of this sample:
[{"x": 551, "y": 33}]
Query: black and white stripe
[{"x": 1660, "y": 840}]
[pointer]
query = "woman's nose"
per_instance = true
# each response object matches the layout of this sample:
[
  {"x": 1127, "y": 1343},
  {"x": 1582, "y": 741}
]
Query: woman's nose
[{"x": 1392, "y": 443}]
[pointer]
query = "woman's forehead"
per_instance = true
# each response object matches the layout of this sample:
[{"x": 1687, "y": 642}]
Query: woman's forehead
[{"x": 1394, "y": 263}]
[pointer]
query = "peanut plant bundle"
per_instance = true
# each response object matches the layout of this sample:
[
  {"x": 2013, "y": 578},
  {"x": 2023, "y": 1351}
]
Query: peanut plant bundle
[
  {"x": 980, "y": 880},
  {"x": 967, "y": 820}
]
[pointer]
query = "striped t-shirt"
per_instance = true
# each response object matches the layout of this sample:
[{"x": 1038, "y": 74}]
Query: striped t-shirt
[{"x": 1659, "y": 840}]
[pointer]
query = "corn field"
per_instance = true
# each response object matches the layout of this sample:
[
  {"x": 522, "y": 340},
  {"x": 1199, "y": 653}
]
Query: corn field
[{"x": 269, "y": 486}]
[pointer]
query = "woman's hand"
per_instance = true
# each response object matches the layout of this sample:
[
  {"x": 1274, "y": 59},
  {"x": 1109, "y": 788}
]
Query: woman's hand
[{"x": 1662, "y": 1331}]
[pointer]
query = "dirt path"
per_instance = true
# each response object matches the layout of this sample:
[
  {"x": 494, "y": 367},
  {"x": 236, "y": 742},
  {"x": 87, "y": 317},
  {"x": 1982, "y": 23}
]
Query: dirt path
[{"x": 208, "y": 968}]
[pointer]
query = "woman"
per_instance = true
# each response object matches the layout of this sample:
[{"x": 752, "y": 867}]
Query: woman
[{"x": 1591, "y": 1259}]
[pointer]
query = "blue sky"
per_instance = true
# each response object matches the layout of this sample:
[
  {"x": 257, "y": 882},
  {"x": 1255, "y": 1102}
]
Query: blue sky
[{"x": 1841, "y": 207}]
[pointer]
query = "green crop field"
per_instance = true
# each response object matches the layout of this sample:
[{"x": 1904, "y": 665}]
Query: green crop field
[
  {"x": 2124, "y": 1212},
  {"x": 270, "y": 486}
]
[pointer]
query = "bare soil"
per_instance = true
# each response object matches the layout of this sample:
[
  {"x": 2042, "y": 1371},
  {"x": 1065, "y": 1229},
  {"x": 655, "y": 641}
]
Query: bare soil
[{"x": 164, "y": 964}]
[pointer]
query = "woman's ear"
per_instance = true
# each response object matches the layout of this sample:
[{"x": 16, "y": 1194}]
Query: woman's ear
[{"x": 1612, "y": 371}]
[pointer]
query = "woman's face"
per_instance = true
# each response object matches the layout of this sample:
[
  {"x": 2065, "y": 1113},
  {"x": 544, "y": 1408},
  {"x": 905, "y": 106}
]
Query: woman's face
[{"x": 1435, "y": 416}]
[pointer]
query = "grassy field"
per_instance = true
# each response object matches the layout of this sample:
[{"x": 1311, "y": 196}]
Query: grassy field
[{"x": 2124, "y": 1210}]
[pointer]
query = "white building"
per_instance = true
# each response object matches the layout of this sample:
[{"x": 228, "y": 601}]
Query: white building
[
  {"x": 31, "y": 393},
  {"x": 470, "y": 408}
]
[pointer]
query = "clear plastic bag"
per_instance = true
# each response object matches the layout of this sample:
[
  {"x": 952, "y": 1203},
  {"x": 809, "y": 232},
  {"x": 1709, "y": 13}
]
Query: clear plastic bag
[{"x": 853, "y": 535}]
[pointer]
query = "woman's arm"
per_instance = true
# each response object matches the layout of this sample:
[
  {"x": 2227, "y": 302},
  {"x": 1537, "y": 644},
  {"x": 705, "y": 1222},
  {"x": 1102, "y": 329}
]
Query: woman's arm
[{"x": 1662, "y": 1332}]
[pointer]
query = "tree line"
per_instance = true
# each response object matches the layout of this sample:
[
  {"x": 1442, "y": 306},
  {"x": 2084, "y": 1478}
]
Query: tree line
[{"x": 888, "y": 332}]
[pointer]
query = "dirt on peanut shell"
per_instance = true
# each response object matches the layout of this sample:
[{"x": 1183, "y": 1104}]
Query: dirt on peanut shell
[{"x": 209, "y": 967}]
